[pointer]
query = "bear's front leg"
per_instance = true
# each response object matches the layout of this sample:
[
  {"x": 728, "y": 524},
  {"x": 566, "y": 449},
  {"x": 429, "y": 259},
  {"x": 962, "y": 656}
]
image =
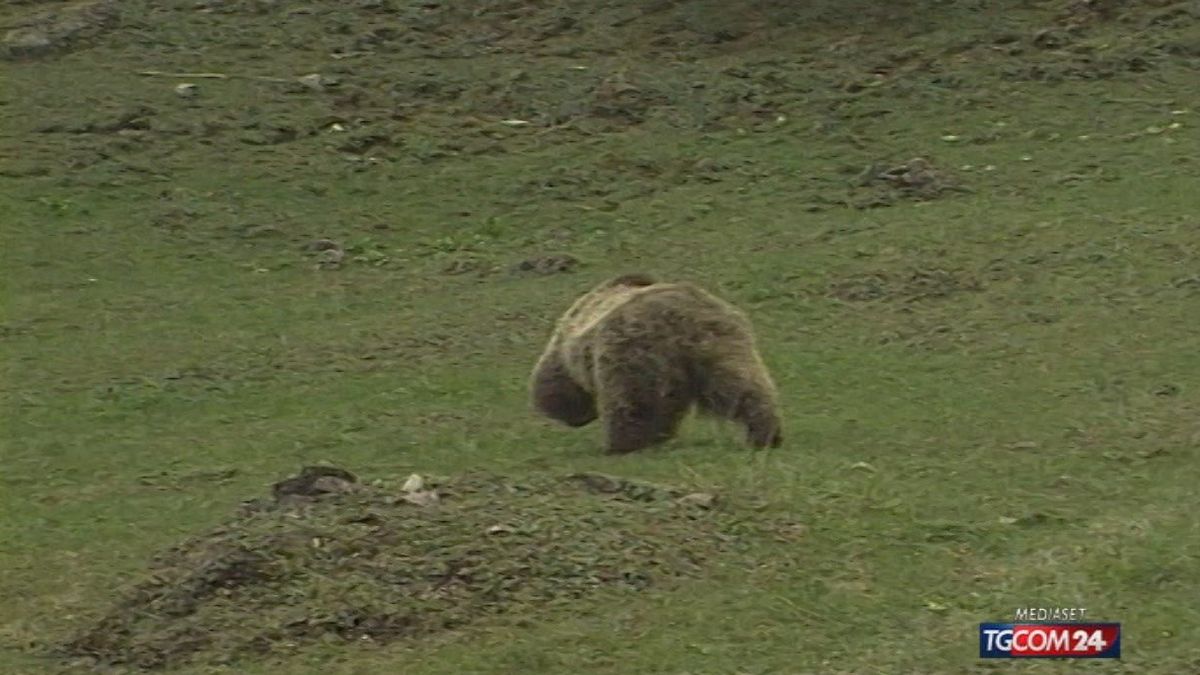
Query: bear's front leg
[{"x": 763, "y": 427}]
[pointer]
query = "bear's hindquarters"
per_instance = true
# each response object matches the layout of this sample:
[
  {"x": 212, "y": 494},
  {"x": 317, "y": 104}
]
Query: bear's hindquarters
[{"x": 643, "y": 398}]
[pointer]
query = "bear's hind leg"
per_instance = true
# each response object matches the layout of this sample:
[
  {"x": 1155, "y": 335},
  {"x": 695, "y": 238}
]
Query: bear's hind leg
[
  {"x": 641, "y": 405},
  {"x": 736, "y": 393}
]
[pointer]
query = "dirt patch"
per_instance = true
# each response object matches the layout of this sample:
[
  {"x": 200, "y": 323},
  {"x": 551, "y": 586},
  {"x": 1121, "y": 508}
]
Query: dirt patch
[
  {"x": 328, "y": 557},
  {"x": 1138, "y": 37},
  {"x": 557, "y": 263},
  {"x": 912, "y": 286},
  {"x": 58, "y": 30},
  {"x": 883, "y": 184}
]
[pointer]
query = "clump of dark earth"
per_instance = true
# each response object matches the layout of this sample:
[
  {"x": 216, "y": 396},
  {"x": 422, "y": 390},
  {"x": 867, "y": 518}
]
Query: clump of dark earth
[
  {"x": 329, "y": 557},
  {"x": 548, "y": 264},
  {"x": 917, "y": 179},
  {"x": 315, "y": 481}
]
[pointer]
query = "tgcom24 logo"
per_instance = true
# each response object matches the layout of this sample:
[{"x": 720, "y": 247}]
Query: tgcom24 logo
[{"x": 1050, "y": 633}]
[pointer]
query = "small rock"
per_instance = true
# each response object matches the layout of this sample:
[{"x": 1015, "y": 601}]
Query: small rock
[
  {"x": 414, "y": 483},
  {"x": 422, "y": 498},
  {"x": 314, "y": 81},
  {"x": 186, "y": 90},
  {"x": 331, "y": 258},
  {"x": 328, "y": 252}
]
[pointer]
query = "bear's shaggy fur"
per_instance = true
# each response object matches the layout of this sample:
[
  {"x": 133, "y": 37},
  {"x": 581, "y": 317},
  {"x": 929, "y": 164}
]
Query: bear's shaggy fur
[{"x": 638, "y": 354}]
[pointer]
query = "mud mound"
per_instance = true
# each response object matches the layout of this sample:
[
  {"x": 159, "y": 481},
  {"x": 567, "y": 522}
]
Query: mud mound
[{"x": 331, "y": 558}]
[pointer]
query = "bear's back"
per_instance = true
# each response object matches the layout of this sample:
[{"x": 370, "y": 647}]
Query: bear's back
[
  {"x": 645, "y": 305},
  {"x": 593, "y": 308}
]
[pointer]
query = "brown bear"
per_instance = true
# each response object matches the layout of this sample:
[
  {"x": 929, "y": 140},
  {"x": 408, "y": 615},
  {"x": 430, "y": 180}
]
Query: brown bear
[{"x": 638, "y": 354}]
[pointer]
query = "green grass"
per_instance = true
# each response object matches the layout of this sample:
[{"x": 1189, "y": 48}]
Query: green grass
[{"x": 1026, "y": 436}]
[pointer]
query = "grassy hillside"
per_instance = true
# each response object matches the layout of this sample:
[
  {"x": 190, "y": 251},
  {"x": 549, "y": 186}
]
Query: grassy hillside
[{"x": 966, "y": 235}]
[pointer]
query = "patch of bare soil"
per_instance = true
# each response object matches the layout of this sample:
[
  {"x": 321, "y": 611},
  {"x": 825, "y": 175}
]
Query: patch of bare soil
[
  {"x": 557, "y": 263},
  {"x": 911, "y": 286},
  {"x": 58, "y": 29},
  {"x": 917, "y": 179},
  {"x": 329, "y": 557}
]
